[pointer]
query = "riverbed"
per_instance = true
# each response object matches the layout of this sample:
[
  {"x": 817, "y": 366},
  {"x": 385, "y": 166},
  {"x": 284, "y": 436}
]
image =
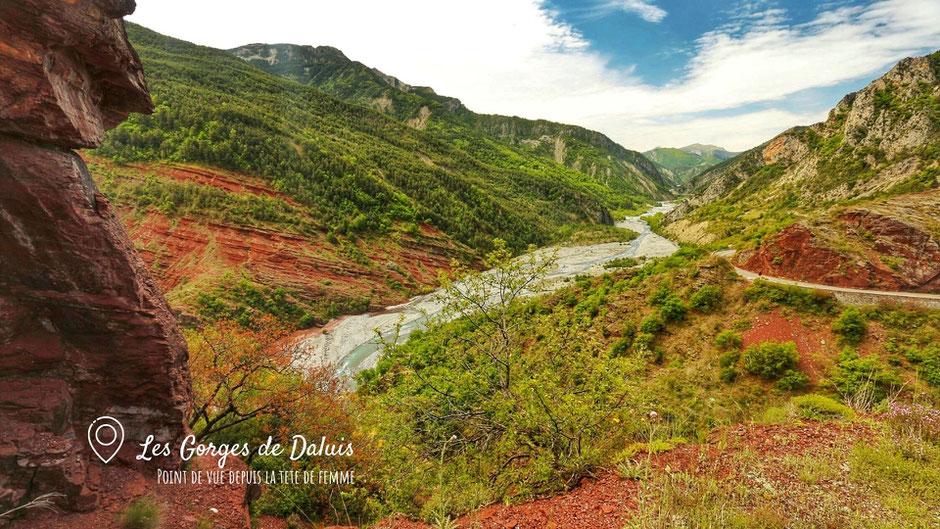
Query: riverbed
[{"x": 351, "y": 344}]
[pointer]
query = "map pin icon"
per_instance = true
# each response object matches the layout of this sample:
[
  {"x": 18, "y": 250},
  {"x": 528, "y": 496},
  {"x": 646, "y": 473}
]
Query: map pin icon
[{"x": 105, "y": 437}]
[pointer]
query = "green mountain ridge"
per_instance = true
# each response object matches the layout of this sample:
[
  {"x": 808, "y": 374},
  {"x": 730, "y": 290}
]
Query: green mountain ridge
[
  {"x": 682, "y": 164},
  {"x": 628, "y": 173},
  {"x": 355, "y": 169}
]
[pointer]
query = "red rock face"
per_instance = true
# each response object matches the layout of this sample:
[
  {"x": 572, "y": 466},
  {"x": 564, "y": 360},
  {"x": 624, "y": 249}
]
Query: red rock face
[
  {"x": 914, "y": 253},
  {"x": 84, "y": 331},
  {"x": 889, "y": 255},
  {"x": 67, "y": 72},
  {"x": 795, "y": 254}
]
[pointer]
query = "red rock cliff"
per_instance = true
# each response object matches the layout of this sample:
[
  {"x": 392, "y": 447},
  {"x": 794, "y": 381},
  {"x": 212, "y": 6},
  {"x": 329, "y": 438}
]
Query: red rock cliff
[
  {"x": 84, "y": 331},
  {"x": 887, "y": 245}
]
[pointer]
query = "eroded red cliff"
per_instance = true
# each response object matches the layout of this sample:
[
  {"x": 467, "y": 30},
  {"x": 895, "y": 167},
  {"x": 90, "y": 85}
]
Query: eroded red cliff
[
  {"x": 84, "y": 331},
  {"x": 887, "y": 245}
]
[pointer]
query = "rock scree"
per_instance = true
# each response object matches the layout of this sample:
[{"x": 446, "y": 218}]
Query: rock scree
[{"x": 84, "y": 331}]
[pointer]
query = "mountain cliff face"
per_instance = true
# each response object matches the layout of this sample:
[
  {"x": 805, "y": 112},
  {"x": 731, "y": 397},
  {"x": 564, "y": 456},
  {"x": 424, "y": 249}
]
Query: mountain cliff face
[
  {"x": 587, "y": 151},
  {"x": 880, "y": 142},
  {"x": 84, "y": 331},
  {"x": 682, "y": 164},
  {"x": 881, "y": 139}
]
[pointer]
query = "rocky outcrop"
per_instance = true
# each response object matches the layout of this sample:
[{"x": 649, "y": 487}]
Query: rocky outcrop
[
  {"x": 887, "y": 246},
  {"x": 68, "y": 72},
  {"x": 796, "y": 253},
  {"x": 84, "y": 331}
]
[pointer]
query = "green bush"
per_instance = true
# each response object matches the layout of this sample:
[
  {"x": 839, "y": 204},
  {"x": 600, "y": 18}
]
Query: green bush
[
  {"x": 770, "y": 360},
  {"x": 728, "y": 374},
  {"x": 652, "y": 324},
  {"x": 819, "y": 407},
  {"x": 729, "y": 359},
  {"x": 620, "y": 347},
  {"x": 728, "y": 364},
  {"x": 673, "y": 309},
  {"x": 850, "y": 326},
  {"x": 929, "y": 359},
  {"x": 660, "y": 295},
  {"x": 728, "y": 340},
  {"x": 793, "y": 380},
  {"x": 803, "y": 300},
  {"x": 707, "y": 299},
  {"x": 142, "y": 513},
  {"x": 643, "y": 341},
  {"x": 854, "y": 375}
]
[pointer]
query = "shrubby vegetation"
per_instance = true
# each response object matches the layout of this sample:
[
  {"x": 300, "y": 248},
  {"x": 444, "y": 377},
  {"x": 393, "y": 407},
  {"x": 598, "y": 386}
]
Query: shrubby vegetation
[
  {"x": 501, "y": 417},
  {"x": 510, "y": 396},
  {"x": 850, "y": 326},
  {"x": 728, "y": 339},
  {"x": 173, "y": 198},
  {"x": 819, "y": 407},
  {"x": 866, "y": 380},
  {"x": 801, "y": 299},
  {"x": 250, "y": 383},
  {"x": 892, "y": 476},
  {"x": 706, "y": 299},
  {"x": 770, "y": 360},
  {"x": 671, "y": 308}
]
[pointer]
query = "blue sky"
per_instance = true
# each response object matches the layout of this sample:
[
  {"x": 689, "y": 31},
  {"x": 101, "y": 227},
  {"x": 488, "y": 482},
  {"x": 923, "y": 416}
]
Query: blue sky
[
  {"x": 645, "y": 72},
  {"x": 657, "y": 40}
]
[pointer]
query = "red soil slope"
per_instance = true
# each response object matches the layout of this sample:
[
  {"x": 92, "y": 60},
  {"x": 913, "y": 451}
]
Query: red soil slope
[
  {"x": 605, "y": 501},
  {"x": 890, "y": 245},
  {"x": 188, "y": 255},
  {"x": 184, "y": 505}
]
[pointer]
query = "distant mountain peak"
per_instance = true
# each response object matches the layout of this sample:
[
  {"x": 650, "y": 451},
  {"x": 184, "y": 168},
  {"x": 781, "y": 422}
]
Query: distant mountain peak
[
  {"x": 278, "y": 53},
  {"x": 684, "y": 163},
  {"x": 704, "y": 149}
]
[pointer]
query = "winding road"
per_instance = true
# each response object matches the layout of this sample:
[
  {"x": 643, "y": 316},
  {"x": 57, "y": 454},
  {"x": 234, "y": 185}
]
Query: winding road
[{"x": 852, "y": 296}]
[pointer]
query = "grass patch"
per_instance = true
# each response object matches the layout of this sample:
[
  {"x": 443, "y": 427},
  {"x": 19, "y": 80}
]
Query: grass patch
[
  {"x": 142, "y": 513},
  {"x": 820, "y": 407}
]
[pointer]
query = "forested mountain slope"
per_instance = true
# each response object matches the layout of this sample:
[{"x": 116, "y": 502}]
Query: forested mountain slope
[
  {"x": 321, "y": 206},
  {"x": 354, "y": 168},
  {"x": 592, "y": 153},
  {"x": 682, "y": 164}
]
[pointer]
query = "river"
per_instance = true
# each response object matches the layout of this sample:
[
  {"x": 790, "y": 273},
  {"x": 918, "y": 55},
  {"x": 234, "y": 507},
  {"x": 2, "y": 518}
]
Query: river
[{"x": 350, "y": 342}]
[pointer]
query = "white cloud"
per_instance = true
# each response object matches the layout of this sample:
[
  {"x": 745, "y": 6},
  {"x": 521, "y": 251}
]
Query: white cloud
[
  {"x": 515, "y": 57},
  {"x": 735, "y": 133},
  {"x": 648, "y": 11}
]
